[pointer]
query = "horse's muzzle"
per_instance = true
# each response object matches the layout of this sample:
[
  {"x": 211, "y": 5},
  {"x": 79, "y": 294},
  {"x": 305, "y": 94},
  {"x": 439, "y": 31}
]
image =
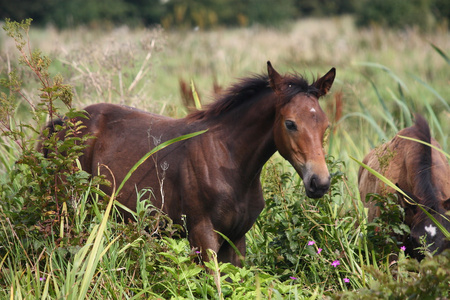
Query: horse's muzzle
[{"x": 316, "y": 187}]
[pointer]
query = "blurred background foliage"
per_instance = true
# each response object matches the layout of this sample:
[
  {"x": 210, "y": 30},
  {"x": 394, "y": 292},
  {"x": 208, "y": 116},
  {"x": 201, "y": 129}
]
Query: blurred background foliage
[{"x": 205, "y": 14}]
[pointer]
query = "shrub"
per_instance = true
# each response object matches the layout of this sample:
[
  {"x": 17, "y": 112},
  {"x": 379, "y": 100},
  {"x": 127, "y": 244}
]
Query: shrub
[
  {"x": 395, "y": 14},
  {"x": 387, "y": 233},
  {"x": 41, "y": 194},
  {"x": 306, "y": 239},
  {"x": 408, "y": 279}
]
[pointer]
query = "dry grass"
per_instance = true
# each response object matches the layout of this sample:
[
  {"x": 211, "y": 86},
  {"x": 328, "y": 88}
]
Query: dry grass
[{"x": 308, "y": 46}]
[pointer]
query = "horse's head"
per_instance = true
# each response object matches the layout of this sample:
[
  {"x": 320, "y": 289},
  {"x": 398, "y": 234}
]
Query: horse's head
[{"x": 300, "y": 126}]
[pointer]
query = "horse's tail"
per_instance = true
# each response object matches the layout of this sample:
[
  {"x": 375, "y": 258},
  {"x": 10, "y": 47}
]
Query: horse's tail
[
  {"x": 423, "y": 133},
  {"x": 423, "y": 175},
  {"x": 423, "y": 130},
  {"x": 51, "y": 126}
]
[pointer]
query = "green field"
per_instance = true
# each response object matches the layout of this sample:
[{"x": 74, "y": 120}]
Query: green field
[{"x": 383, "y": 77}]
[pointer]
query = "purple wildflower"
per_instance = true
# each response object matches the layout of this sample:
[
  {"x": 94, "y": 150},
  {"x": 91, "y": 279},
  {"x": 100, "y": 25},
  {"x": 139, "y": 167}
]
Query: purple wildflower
[
  {"x": 403, "y": 248},
  {"x": 319, "y": 250},
  {"x": 42, "y": 278},
  {"x": 346, "y": 280},
  {"x": 335, "y": 263},
  {"x": 310, "y": 243},
  {"x": 293, "y": 278}
]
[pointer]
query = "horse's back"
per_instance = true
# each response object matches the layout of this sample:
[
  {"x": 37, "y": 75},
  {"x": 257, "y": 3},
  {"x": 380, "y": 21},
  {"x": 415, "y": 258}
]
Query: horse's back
[
  {"x": 397, "y": 160},
  {"x": 122, "y": 136},
  {"x": 116, "y": 112}
]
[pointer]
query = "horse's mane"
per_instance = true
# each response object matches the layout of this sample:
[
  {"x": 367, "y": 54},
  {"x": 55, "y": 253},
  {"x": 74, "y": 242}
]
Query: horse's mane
[
  {"x": 423, "y": 176},
  {"x": 247, "y": 89}
]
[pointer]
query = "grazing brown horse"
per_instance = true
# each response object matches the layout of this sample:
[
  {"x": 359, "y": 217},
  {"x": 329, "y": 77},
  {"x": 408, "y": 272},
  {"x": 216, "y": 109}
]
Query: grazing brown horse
[
  {"x": 422, "y": 172},
  {"x": 214, "y": 179}
]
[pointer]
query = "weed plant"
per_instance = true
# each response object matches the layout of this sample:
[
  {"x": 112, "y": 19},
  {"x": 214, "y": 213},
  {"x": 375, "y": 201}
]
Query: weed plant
[{"x": 39, "y": 193}]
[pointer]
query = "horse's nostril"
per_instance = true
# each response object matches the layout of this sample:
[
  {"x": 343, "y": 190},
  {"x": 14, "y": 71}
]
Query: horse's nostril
[
  {"x": 316, "y": 185},
  {"x": 313, "y": 184}
]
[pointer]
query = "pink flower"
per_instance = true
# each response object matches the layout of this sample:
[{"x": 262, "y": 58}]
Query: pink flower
[
  {"x": 310, "y": 243},
  {"x": 346, "y": 280},
  {"x": 335, "y": 263},
  {"x": 403, "y": 248},
  {"x": 293, "y": 278},
  {"x": 319, "y": 250}
]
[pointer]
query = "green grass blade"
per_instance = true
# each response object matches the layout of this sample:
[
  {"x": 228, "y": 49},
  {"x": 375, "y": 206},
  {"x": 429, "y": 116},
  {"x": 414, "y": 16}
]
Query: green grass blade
[
  {"x": 386, "y": 111},
  {"x": 241, "y": 258},
  {"x": 96, "y": 252},
  {"x": 433, "y": 91},
  {"x": 387, "y": 70},
  {"x": 441, "y": 53},
  {"x": 404, "y": 108},
  {"x": 425, "y": 143},
  {"x": 380, "y": 132}
]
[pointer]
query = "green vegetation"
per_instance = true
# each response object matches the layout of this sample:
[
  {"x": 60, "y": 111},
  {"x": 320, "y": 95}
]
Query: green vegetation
[
  {"x": 57, "y": 244},
  {"x": 398, "y": 14},
  {"x": 207, "y": 14}
]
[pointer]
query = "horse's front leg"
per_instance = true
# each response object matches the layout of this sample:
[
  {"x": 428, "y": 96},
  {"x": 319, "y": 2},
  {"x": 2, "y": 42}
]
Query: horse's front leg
[
  {"x": 202, "y": 236},
  {"x": 228, "y": 253}
]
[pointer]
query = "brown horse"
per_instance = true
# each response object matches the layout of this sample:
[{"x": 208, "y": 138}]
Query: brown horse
[
  {"x": 422, "y": 172},
  {"x": 214, "y": 179}
]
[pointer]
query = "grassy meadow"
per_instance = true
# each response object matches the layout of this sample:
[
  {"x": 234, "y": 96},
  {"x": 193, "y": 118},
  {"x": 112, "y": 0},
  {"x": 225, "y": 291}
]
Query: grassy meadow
[{"x": 299, "y": 248}]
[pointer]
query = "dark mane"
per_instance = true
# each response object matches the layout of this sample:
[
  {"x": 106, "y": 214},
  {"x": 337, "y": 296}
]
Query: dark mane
[
  {"x": 423, "y": 177},
  {"x": 295, "y": 84},
  {"x": 246, "y": 90}
]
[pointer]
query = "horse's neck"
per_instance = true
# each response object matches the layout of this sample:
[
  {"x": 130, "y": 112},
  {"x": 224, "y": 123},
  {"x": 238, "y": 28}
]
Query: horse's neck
[
  {"x": 440, "y": 170},
  {"x": 249, "y": 136}
]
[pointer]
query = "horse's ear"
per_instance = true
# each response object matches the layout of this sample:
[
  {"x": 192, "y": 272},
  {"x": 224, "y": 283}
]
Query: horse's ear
[
  {"x": 274, "y": 78},
  {"x": 323, "y": 84}
]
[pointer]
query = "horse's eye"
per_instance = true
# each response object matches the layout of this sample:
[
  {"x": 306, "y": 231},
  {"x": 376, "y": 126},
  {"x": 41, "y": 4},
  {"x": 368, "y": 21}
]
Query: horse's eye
[{"x": 290, "y": 125}]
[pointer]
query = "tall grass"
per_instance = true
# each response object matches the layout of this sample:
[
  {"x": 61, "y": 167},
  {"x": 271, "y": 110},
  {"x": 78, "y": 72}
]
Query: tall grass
[{"x": 383, "y": 76}]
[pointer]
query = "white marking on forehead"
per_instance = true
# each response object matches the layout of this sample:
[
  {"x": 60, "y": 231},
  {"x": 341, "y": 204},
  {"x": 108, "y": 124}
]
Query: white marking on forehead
[
  {"x": 312, "y": 110},
  {"x": 431, "y": 230}
]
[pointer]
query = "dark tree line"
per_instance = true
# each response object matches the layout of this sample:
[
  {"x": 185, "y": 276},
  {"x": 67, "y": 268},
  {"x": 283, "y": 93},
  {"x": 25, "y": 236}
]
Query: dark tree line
[{"x": 213, "y": 13}]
